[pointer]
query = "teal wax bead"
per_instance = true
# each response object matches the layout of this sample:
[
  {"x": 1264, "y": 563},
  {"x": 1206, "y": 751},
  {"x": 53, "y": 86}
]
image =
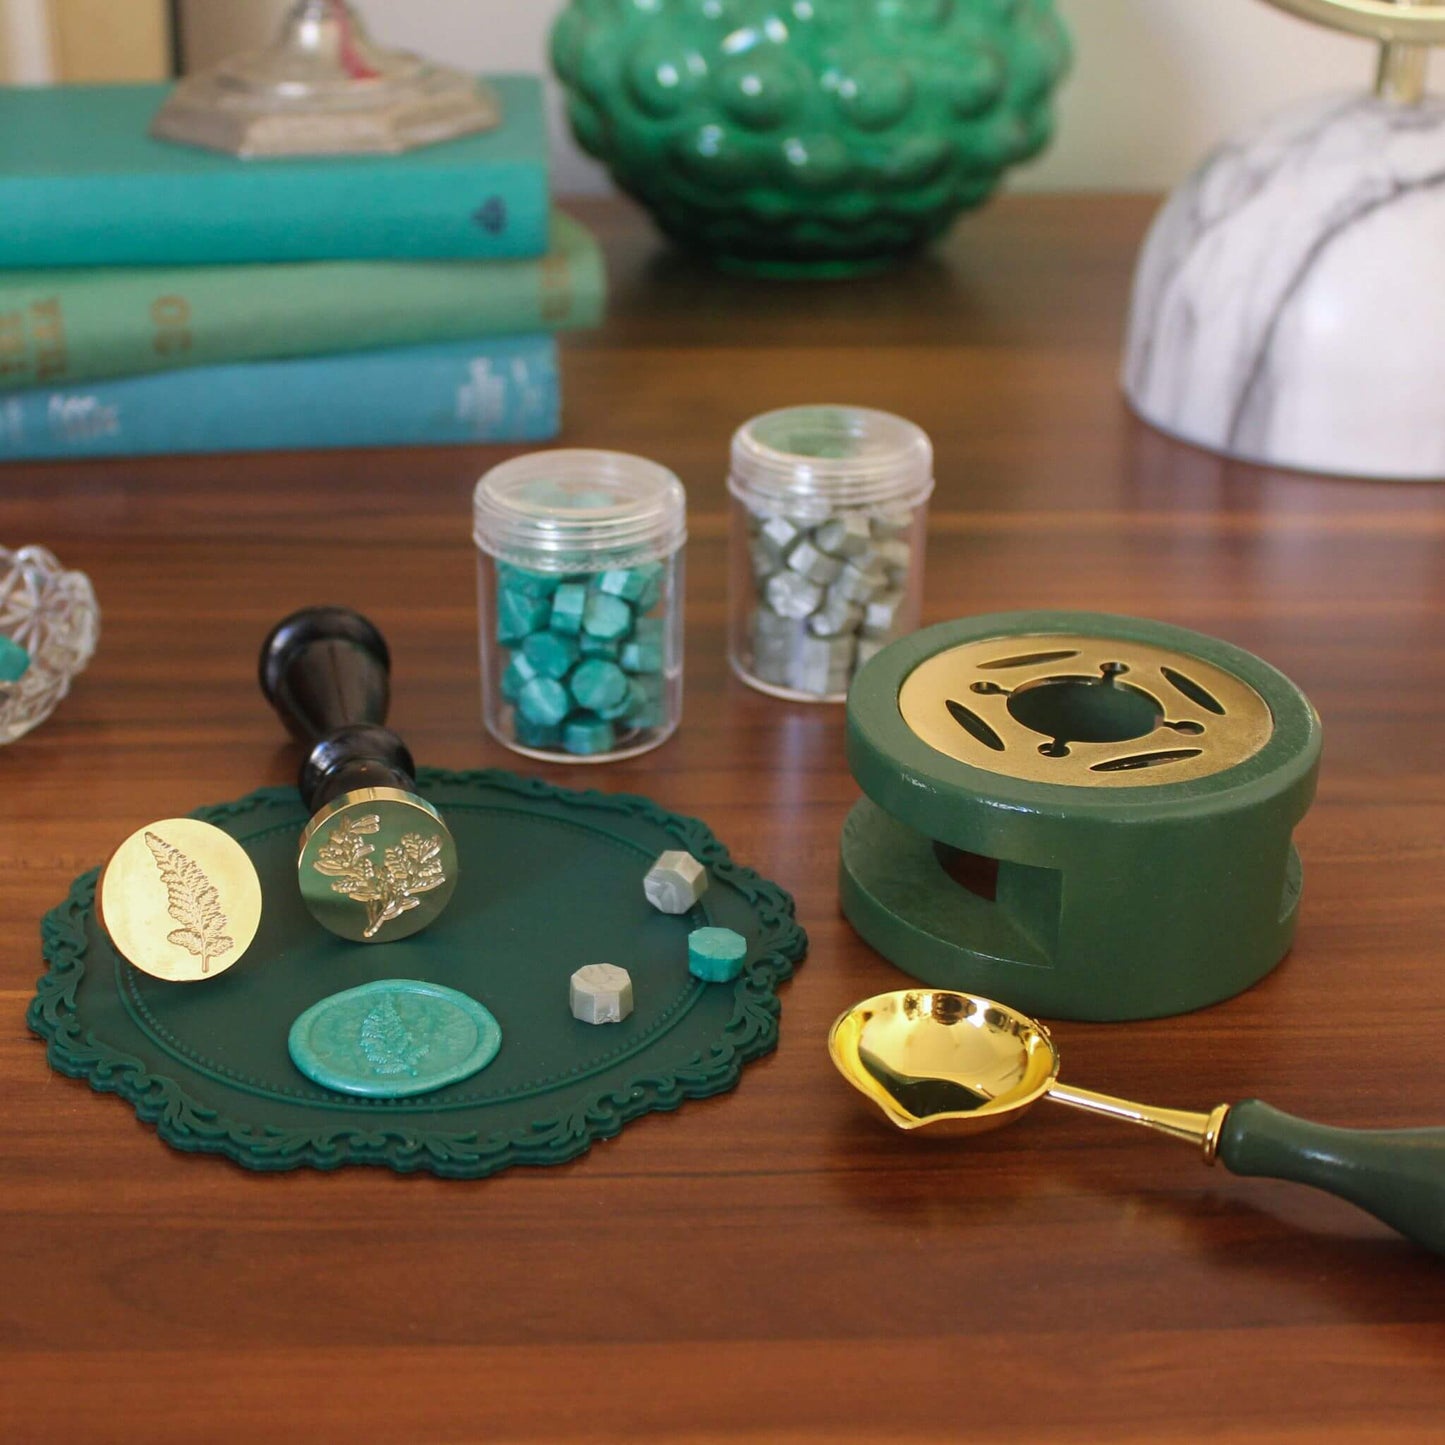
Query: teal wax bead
[
  {"x": 14, "y": 660},
  {"x": 518, "y": 614},
  {"x": 623, "y": 708},
  {"x": 587, "y": 735},
  {"x": 537, "y": 735},
  {"x": 529, "y": 584},
  {"x": 544, "y": 700},
  {"x": 716, "y": 955},
  {"x": 641, "y": 657},
  {"x": 607, "y": 617},
  {"x": 568, "y": 606},
  {"x": 605, "y": 647},
  {"x": 551, "y": 653},
  {"x": 649, "y": 629},
  {"x": 599, "y": 686},
  {"x": 648, "y": 708},
  {"x": 634, "y": 585},
  {"x": 518, "y": 674}
]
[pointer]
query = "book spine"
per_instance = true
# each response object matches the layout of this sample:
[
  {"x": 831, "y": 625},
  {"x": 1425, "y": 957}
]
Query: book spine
[
  {"x": 269, "y": 214},
  {"x": 504, "y": 390},
  {"x": 63, "y": 327}
]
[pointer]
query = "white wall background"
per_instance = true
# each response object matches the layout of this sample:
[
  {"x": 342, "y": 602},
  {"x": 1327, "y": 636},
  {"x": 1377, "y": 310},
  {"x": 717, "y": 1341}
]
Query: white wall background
[{"x": 1155, "y": 84}]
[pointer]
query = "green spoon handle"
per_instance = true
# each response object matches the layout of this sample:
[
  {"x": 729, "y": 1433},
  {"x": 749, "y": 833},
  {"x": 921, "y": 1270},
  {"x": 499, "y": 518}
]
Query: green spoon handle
[{"x": 1398, "y": 1175}]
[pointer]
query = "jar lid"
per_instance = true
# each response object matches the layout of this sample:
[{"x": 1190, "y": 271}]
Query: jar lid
[
  {"x": 847, "y": 456},
  {"x": 579, "y": 511}
]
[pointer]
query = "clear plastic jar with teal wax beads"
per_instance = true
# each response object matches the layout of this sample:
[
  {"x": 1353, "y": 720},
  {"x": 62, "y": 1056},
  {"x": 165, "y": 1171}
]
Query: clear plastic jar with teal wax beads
[
  {"x": 580, "y": 571},
  {"x": 830, "y": 518}
]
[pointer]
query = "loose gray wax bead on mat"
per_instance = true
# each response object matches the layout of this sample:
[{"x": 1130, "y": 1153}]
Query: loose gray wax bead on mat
[
  {"x": 675, "y": 883},
  {"x": 601, "y": 993}
]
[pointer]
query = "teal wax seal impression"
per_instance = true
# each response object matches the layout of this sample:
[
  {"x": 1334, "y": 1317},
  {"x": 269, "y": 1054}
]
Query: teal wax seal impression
[{"x": 393, "y": 1039}]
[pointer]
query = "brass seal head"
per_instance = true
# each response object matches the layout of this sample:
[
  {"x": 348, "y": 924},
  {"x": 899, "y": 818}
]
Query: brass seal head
[
  {"x": 377, "y": 865},
  {"x": 181, "y": 900}
]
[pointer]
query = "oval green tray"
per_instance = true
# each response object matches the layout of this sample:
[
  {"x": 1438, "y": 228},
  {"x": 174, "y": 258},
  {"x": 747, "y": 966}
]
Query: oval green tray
[{"x": 550, "y": 879}]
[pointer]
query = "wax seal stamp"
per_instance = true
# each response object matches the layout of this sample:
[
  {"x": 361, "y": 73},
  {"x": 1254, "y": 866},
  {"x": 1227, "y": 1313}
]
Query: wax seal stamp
[
  {"x": 393, "y": 1039},
  {"x": 180, "y": 900},
  {"x": 377, "y": 863}
]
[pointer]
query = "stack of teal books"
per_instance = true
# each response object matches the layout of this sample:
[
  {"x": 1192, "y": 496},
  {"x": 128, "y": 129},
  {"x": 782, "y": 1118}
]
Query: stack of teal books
[{"x": 159, "y": 299}]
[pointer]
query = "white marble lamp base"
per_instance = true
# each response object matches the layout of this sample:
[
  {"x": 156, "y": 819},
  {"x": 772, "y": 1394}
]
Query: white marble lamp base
[{"x": 1289, "y": 306}]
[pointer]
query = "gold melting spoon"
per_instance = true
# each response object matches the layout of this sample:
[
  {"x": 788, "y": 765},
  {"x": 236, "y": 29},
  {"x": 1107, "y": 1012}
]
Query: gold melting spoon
[{"x": 961, "y": 1064}]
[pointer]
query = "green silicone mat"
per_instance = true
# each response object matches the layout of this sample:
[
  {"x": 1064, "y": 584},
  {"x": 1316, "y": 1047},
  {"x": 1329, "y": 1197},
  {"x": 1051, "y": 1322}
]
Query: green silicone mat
[{"x": 550, "y": 879}]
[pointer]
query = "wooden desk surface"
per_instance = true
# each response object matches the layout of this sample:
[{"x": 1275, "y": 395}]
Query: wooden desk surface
[{"x": 772, "y": 1266}]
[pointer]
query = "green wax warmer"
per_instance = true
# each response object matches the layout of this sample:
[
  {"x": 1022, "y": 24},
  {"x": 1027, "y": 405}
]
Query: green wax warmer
[{"x": 1085, "y": 816}]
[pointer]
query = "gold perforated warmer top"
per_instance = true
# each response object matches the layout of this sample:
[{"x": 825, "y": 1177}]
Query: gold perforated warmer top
[{"x": 1090, "y": 712}]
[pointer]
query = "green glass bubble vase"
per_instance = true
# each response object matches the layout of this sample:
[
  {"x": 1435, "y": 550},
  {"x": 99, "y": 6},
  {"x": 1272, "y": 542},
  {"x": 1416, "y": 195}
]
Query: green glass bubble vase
[{"x": 810, "y": 137}]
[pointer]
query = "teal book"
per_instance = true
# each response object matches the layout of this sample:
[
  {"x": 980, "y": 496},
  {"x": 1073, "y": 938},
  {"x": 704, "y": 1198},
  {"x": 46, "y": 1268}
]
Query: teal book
[
  {"x": 82, "y": 184},
  {"x": 64, "y": 327},
  {"x": 460, "y": 394}
]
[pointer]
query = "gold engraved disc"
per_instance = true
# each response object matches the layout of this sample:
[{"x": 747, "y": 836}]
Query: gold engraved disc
[
  {"x": 181, "y": 900},
  {"x": 1093, "y": 712},
  {"x": 376, "y": 865}
]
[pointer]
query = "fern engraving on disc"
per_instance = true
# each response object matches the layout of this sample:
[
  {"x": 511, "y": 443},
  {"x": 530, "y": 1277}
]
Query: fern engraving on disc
[
  {"x": 389, "y": 1047},
  {"x": 408, "y": 869},
  {"x": 194, "y": 903}
]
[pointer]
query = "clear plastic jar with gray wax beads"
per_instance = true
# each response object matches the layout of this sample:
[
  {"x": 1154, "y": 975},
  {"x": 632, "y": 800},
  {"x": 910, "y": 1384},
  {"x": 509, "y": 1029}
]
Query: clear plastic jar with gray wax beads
[
  {"x": 580, "y": 574},
  {"x": 830, "y": 515}
]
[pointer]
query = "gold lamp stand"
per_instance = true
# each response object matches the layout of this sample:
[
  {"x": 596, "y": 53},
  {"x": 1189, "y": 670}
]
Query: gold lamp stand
[{"x": 325, "y": 88}]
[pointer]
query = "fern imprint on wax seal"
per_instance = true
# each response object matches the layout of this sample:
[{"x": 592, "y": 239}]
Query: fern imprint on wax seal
[{"x": 181, "y": 901}]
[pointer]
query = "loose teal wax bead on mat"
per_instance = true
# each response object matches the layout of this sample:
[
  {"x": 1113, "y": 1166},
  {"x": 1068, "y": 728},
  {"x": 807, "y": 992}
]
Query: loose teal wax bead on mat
[
  {"x": 14, "y": 660},
  {"x": 588, "y": 736},
  {"x": 716, "y": 955},
  {"x": 544, "y": 700},
  {"x": 599, "y": 686},
  {"x": 568, "y": 606},
  {"x": 519, "y": 673},
  {"x": 551, "y": 653},
  {"x": 518, "y": 614},
  {"x": 606, "y": 617}
]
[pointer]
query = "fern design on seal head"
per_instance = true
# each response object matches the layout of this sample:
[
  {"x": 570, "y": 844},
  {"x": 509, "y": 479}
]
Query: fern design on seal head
[
  {"x": 194, "y": 903},
  {"x": 409, "y": 868}
]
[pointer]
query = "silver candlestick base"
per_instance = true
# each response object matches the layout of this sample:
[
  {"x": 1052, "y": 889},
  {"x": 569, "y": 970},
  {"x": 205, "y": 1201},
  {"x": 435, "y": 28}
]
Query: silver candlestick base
[{"x": 324, "y": 88}]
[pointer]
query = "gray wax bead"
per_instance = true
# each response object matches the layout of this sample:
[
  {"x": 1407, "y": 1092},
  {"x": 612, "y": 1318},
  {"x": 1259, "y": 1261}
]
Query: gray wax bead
[
  {"x": 779, "y": 533},
  {"x": 766, "y": 558},
  {"x": 601, "y": 993},
  {"x": 823, "y": 665},
  {"x": 891, "y": 523},
  {"x": 836, "y": 618},
  {"x": 860, "y": 583},
  {"x": 675, "y": 882},
  {"x": 880, "y": 617},
  {"x": 790, "y": 595},
  {"x": 807, "y": 561},
  {"x": 896, "y": 557},
  {"x": 846, "y": 535}
]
